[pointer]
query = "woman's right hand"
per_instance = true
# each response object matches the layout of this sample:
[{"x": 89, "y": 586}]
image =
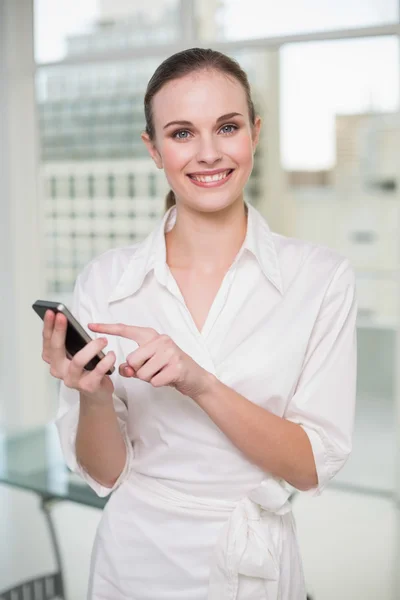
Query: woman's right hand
[{"x": 94, "y": 385}]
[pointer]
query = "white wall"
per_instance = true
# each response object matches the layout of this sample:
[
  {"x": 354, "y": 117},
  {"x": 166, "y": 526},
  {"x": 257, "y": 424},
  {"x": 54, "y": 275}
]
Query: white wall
[{"x": 23, "y": 375}]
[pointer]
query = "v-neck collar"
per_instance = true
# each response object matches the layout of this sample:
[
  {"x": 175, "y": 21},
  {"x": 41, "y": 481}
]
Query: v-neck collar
[{"x": 151, "y": 254}]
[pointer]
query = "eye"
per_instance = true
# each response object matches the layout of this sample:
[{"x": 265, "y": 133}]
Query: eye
[
  {"x": 182, "y": 134},
  {"x": 228, "y": 129}
]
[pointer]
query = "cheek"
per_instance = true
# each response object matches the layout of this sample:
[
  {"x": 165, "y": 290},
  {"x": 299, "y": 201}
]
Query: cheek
[
  {"x": 175, "y": 156},
  {"x": 241, "y": 151}
]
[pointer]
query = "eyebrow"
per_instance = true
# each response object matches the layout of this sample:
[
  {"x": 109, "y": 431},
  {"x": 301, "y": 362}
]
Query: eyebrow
[{"x": 190, "y": 124}]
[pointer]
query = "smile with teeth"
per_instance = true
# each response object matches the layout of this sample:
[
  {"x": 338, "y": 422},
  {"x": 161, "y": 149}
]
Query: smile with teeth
[{"x": 211, "y": 178}]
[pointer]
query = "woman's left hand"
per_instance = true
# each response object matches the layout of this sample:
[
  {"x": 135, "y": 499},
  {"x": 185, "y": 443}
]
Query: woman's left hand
[{"x": 158, "y": 360}]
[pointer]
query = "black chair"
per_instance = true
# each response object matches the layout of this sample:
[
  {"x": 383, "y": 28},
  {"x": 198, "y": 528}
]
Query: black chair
[{"x": 49, "y": 587}]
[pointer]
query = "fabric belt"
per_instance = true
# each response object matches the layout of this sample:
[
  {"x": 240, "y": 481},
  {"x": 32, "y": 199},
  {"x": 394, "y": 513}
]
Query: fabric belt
[{"x": 247, "y": 544}]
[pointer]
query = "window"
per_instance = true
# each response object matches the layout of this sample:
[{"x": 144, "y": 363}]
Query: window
[
  {"x": 325, "y": 84},
  {"x": 340, "y": 135},
  {"x": 248, "y": 19},
  {"x": 65, "y": 28}
]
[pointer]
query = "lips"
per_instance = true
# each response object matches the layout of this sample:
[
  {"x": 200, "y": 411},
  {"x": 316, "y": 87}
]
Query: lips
[{"x": 212, "y": 177}]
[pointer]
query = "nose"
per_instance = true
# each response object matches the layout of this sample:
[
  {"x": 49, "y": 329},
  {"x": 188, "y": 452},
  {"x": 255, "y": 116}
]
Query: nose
[{"x": 208, "y": 151}]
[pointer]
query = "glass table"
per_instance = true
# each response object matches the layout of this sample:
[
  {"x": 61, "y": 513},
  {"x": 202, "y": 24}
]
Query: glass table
[{"x": 32, "y": 461}]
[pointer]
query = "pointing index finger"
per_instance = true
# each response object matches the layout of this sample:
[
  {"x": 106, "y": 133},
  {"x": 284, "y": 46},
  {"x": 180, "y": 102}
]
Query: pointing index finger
[
  {"x": 140, "y": 335},
  {"x": 111, "y": 328}
]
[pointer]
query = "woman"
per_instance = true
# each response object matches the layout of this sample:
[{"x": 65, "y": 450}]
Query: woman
[{"x": 236, "y": 354}]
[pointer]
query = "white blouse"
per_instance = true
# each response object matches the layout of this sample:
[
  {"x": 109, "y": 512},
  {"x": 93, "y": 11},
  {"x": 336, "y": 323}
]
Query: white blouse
[{"x": 193, "y": 518}]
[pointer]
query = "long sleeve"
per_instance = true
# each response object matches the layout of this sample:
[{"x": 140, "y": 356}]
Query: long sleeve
[
  {"x": 68, "y": 410},
  {"x": 324, "y": 399}
]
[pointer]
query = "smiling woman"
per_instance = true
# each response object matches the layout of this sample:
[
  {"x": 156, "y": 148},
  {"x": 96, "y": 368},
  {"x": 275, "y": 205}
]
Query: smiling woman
[
  {"x": 236, "y": 350},
  {"x": 182, "y": 85}
]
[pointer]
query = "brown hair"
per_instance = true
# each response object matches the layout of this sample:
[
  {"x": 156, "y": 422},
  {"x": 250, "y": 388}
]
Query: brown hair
[{"x": 183, "y": 63}]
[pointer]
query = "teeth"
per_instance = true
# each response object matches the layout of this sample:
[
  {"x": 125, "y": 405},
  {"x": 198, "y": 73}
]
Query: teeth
[{"x": 210, "y": 178}]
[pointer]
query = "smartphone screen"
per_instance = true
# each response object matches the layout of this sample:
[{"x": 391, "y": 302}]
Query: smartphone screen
[{"x": 76, "y": 336}]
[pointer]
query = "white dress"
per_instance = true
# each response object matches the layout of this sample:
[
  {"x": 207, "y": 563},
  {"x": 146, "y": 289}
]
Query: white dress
[{"x": 190, "y": 517}]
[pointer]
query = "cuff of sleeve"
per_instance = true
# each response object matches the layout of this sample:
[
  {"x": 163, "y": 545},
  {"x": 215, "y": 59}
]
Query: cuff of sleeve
[{"x": 327, "y": 460}]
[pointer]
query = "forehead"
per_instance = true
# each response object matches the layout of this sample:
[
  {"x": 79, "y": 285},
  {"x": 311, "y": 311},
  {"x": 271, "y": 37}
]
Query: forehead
[{"x": 205, "y": 95}]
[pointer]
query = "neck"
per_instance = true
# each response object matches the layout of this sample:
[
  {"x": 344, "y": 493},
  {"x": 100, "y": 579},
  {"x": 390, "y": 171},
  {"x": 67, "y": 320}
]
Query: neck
[{"x": 207, "y": 242}]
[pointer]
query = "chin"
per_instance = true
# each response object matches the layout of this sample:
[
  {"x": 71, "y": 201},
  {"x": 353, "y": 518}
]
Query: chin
[
  {"x": 214, "y": 205},
  {"x": 213, "y": 202}
]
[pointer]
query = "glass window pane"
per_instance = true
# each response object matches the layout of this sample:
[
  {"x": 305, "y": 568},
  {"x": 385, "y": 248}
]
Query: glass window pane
[
  {"x": 320, "y": 80},
  {"x": 340, "y": 135},
  {"x": 340, "y": 141},
  {"x": 247, "y": 19},
  {"x": 101, "y": 188},
  {"x": 65, "y": 29}
]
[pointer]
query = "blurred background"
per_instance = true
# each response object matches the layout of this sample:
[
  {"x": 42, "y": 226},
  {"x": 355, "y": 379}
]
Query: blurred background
[{"x": 75, "y": 180}]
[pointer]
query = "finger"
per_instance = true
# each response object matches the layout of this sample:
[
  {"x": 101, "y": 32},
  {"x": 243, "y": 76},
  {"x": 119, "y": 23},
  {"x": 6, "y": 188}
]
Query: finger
[
  {"x": 140, "y": 335},
  {"x": 81, "y": 358},
  {"x": 57, "y": 341},
  {"x": 136, "y": 359},
  {"x": 48, "y": 326},
  {"x": 152, "y": 367},
  {"x": 91, "y": 380},
  {"x": 165, "y": 377},
  {"x": 125, "y": 370},
  {"x": 162, "y": 345}
]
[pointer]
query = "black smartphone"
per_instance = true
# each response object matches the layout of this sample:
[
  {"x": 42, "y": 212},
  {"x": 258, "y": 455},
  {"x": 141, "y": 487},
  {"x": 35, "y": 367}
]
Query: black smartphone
[{"x": 76, "y": 337}]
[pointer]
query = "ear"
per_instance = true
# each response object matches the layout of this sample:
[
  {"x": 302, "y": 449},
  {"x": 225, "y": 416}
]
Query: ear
[
  {"x": 256, "y": 132},
  {"x": 151, "y": 147}
]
